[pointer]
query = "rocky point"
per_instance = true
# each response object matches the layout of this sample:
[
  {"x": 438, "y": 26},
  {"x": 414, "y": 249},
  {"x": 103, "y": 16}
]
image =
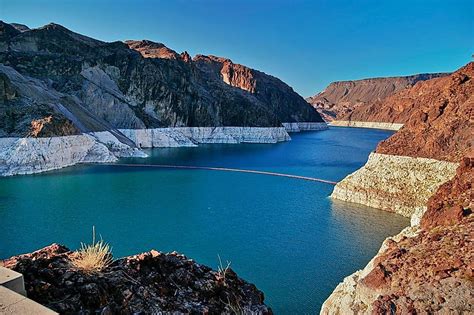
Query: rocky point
[{"x": 152, "y": 282}]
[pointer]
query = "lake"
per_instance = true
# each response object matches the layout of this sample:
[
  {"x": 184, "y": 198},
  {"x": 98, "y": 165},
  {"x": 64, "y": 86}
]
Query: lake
[{"x": 282, "y": 234}]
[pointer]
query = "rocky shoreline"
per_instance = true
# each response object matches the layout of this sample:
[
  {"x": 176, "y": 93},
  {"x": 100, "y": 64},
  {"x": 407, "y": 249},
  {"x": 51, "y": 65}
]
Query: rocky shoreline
[
  {"x": 399, "y": 184},
  {"x": 366, "y": 124},
  {"x": 426, "y": 267},
  {"x": 34, "y": 155},
  {"x": 425, "y": 171},
  {"x": 151, "y": 282}
]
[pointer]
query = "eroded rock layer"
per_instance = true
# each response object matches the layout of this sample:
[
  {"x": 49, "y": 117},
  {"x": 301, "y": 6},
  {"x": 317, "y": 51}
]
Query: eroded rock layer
[
  {"x": 150, "y": 283},
  {"x": 34, "y": 155},
  {"x": 393, "y": 183},
  {"x": 366, "y": 124}
]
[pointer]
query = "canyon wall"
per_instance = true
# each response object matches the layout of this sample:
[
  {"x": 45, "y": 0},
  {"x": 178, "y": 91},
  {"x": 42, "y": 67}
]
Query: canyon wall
[
  {"x": 413, "y": 162},
  {"x": 87, "y": 85},
  {"x": 428, "y": 266},
  {"x": 126, "y": 95}
]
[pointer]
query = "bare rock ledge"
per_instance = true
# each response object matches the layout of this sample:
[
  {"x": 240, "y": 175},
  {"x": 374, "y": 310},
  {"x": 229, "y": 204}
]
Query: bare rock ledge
[{"x": 394, "y": 183}]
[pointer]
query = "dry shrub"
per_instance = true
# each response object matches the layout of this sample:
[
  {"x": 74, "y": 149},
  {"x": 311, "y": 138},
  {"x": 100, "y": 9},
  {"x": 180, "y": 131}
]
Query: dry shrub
[{"x": 92, "y": 258}]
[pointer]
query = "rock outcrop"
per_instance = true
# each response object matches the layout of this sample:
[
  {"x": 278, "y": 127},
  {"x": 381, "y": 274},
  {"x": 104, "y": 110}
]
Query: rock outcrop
[
  {"x": 152, "y": 282},
  {"x": 394, "y": 183},
  {"x": 341, "y": 98},
  {"x": 272, "y": 92},
  {"x": 33, "y": 155},
  {"x": 440, "y": 123},
  {"x": 439, "y": 128}
]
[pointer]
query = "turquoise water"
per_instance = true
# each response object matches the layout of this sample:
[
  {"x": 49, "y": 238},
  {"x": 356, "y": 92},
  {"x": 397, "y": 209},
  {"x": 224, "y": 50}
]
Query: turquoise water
[{"x": 282, "y": 234}]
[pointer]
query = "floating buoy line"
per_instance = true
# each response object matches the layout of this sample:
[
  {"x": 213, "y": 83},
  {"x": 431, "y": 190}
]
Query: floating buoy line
[{"x": 223, "y": 169}]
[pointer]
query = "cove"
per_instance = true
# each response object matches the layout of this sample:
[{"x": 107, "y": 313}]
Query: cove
[{"x": 282, "y": 234}]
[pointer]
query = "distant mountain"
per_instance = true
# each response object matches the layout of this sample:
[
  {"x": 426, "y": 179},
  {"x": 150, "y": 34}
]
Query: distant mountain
[
  {"x": 74, "y": 84},
  {"x": 341, "y": 98}
]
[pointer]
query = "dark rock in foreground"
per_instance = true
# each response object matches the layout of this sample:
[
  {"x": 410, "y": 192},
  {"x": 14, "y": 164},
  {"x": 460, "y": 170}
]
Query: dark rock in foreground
[{"x": 151, "y": 282}]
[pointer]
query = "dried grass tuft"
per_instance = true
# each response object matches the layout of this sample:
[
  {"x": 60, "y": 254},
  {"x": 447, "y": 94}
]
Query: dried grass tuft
[{"x": 92, "y": 258}]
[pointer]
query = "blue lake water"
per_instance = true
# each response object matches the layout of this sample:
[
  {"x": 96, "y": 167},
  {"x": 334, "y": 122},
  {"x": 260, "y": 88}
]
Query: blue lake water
[{"x": 284, "y": 235}]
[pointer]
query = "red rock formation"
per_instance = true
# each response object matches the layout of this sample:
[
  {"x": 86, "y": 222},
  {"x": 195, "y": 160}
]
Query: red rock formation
[
  {"x": 233, "y": 74},
  {"x": 427, "y": 273},
  {"x": 454, "y": 200},
  {"x": 429, "y": 267},
  {"x": 38, "y": 124},
  {"x": 288, "y": 105},
  {"x": 341, "y": 98},
  {"x": 438, "y": 116}
]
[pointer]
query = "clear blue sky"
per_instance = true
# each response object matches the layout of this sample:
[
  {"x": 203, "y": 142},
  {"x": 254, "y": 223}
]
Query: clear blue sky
[{"x": 307, "y": 44}]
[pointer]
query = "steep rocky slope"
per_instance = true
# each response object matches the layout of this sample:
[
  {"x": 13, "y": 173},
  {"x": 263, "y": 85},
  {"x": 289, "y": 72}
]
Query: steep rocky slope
[
  {"x": 163, "y": 89},
  {"x": 427, "y": 268},
  {"x": 151, "y": 282},
  {"x": 289, "y": 106},
  {"x": 438, "y": 132},
  {"x": 54, "y": 82},
  {"x": 341, "y": 98},
  {"x": 439, "y": 121}
]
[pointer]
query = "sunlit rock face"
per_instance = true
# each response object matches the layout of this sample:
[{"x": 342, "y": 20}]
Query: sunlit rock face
[
  {"x": 408, "y": 167},
  {"x": 270, "y": 91},
  {"x": 360, "y": 100}
]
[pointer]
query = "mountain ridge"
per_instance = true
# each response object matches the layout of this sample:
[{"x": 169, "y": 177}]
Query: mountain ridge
[
  {"x": 177, "y": 92},
  {"x": 341, "y": 98}
]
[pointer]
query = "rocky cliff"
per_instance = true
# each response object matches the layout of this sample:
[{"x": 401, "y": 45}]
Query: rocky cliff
[
  {"x": 54, "y": 82},
  {"x": 341, "y": 98},
  {"x": 427, "y": 268},
  {"x": 439, "y": 121},
  {"x": 288, "y": 106},
  {"x": 151, "y": 283},
  {"x": 439, "y": 128}
]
